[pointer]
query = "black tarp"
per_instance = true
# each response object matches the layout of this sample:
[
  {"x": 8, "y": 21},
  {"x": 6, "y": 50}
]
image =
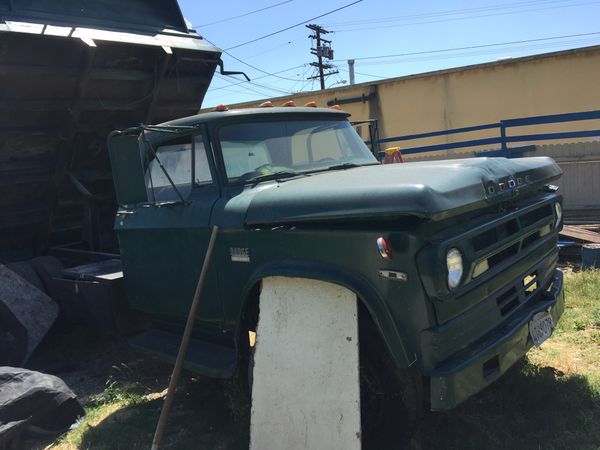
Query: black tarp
[{"x": 33, "y": 402}]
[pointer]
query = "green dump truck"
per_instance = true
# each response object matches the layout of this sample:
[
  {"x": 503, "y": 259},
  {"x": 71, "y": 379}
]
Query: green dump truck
[{"x": 453, "y": 262}]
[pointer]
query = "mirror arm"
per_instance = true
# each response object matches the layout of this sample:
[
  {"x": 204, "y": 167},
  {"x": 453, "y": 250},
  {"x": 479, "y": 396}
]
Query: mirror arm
[{"x": 229, "y": 72}]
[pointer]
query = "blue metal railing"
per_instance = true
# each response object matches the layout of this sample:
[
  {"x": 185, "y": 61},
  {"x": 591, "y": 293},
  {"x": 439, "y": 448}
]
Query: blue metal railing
[{"x": 502, "y": 139}]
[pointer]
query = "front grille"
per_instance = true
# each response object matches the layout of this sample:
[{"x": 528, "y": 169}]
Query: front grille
[
  {"x": 514, "y": 296},
  {"x": 495, "y": 245},
  {"x": 507, "y": 301}
]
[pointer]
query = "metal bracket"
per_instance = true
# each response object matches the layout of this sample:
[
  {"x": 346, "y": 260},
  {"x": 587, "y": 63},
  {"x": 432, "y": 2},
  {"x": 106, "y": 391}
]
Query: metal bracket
[{"x": 229, "y": 72}]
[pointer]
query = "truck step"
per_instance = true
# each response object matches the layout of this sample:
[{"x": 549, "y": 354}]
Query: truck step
[{"x": 206, "y": 358}]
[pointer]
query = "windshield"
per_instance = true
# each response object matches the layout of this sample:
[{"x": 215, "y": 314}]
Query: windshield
[{"x": 257, "y": 150}]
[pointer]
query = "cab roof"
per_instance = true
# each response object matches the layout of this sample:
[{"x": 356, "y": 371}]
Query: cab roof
[{"x": 284, "y": 111}]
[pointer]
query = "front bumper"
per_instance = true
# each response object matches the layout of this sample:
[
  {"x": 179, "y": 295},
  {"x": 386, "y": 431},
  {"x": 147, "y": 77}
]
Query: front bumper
[{"x": 478, "y": 366}]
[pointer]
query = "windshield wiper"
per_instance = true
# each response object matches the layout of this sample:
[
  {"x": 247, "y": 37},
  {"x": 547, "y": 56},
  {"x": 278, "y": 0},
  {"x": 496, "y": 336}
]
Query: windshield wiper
[
  {"x": 273, "y": 176},
  {"x": 347, "y": 165}
]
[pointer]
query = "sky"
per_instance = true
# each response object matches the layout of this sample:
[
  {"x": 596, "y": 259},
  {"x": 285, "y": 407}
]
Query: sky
[{"x": 386, "y": 38}]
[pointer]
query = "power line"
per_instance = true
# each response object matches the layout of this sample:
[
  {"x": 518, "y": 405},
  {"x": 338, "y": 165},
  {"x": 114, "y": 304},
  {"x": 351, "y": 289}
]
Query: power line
[
  {"x": 258, "y": 85},
  {"x": 471, "y": 53},
  {"x": 247, "y": 64},
  {"x": 294, "y": 26},
  {"x": 257, "y": 89},
  {"x": 362, "y": 73},
  {"x": 472, "y": 47},
  {"x": 447, "y": 12},
  {"x": 275, "y": 47},
  {"x": 243, "y": 15},
  {"x": 256, "y": 68},
  {"x": 265, "y": 76},
  {"x": 462, "y": 18},
  {"x": 306, "y": 69}
]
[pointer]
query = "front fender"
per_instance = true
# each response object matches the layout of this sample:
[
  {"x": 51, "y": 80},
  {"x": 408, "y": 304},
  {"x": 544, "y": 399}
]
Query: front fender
[{"x": 376, "y": 306}]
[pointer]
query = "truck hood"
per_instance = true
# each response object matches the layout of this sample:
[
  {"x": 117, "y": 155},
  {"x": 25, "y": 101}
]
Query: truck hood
[{"x": 433, "y": 190}]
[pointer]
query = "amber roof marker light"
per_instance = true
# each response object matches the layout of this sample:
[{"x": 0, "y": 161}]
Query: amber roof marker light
[
  {"x": 267, "y": 104},
  {"x": 311, "y": 104},
  {"x": 221, "y": 108}
]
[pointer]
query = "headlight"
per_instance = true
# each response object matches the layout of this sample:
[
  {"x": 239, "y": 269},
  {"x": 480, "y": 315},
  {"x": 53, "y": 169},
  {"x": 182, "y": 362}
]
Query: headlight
[
  {"x": 558, "y": 210},
  {"x": 454, "y": 261}
]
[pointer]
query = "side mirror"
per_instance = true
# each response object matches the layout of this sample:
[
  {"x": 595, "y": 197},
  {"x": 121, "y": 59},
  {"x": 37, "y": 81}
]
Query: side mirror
[{"x": 127, "y": 167}]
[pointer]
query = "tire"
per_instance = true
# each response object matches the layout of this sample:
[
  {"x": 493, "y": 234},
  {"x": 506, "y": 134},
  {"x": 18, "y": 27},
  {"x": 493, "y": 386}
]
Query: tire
[{"x": 391, "y": 398}]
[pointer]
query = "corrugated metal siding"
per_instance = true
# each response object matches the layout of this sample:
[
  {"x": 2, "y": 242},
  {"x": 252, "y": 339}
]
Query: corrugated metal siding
[{"x": 580, "y": 163}]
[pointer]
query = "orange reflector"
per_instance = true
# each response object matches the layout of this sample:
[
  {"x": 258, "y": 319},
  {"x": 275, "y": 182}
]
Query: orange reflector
[
  {"x": 311, "y": 104},
  {"x": 289, "y": 103},
  {"x": 338, "y": 107},
  {"x": 221, "y": 108},
  {"x": 384, "y": 248},
  {"x": 267, "y": 104}
]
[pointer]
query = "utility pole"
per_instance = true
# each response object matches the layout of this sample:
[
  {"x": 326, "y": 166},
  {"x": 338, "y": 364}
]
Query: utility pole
[{"x": 322, "y": 51}]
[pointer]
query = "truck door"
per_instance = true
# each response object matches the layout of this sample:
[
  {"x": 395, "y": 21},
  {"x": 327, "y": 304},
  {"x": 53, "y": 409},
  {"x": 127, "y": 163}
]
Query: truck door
[{"x": 163, "y": 240}]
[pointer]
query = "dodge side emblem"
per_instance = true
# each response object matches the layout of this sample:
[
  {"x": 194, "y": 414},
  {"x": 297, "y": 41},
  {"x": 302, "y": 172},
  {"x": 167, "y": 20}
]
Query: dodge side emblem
[{"x": 239, "y": 254}]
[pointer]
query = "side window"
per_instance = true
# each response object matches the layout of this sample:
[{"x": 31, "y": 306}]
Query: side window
[
  {"x": 176, "y": 158},
  {"x": 201, "y": 168}
]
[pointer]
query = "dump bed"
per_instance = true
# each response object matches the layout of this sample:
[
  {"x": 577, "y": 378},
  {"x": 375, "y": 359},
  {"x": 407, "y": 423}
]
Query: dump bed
[{"x": 70, "y": 73}]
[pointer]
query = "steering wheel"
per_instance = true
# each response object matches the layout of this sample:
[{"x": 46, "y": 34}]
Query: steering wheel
[{"x": 262, "y": 167}]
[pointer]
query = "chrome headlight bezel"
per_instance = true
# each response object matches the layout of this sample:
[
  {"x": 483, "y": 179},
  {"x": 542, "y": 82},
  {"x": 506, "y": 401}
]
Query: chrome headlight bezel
[
  {"x": 454, "y": 267},
  {"x": 558, "y": 214}
]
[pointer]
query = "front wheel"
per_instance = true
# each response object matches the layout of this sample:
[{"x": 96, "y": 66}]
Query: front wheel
[{"x": 391, "y": 398}]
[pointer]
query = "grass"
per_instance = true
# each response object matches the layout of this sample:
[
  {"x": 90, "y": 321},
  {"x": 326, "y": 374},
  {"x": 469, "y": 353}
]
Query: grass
[
  {"x": 549, "y": 400},
  {"x": 123, "y": 416}
]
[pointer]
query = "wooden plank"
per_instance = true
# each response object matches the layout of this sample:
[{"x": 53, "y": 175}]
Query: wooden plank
[{"x": 575, "y": 232}]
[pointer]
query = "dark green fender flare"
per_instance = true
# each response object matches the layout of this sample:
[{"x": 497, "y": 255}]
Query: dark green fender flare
[{"x": 377, "y": 308}]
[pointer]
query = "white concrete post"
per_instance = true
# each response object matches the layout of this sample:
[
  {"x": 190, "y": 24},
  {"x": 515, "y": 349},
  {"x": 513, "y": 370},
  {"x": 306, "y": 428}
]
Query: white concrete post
[{"x": 306, "y": 390}]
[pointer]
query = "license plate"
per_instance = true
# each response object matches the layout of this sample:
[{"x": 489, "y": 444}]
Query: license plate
[{"x": 541, "y": 327}]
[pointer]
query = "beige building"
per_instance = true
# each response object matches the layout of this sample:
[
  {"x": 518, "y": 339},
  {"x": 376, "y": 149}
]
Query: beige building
[{"x": 550, "y": 83}]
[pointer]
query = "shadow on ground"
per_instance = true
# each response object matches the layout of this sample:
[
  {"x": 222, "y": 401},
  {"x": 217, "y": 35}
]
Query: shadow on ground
[
  {"x": 530, "y": 407},
  {"x": 202, "y": 417}
]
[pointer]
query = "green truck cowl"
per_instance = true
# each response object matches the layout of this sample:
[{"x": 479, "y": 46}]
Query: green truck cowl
[{"x": 416, "y": 189}]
